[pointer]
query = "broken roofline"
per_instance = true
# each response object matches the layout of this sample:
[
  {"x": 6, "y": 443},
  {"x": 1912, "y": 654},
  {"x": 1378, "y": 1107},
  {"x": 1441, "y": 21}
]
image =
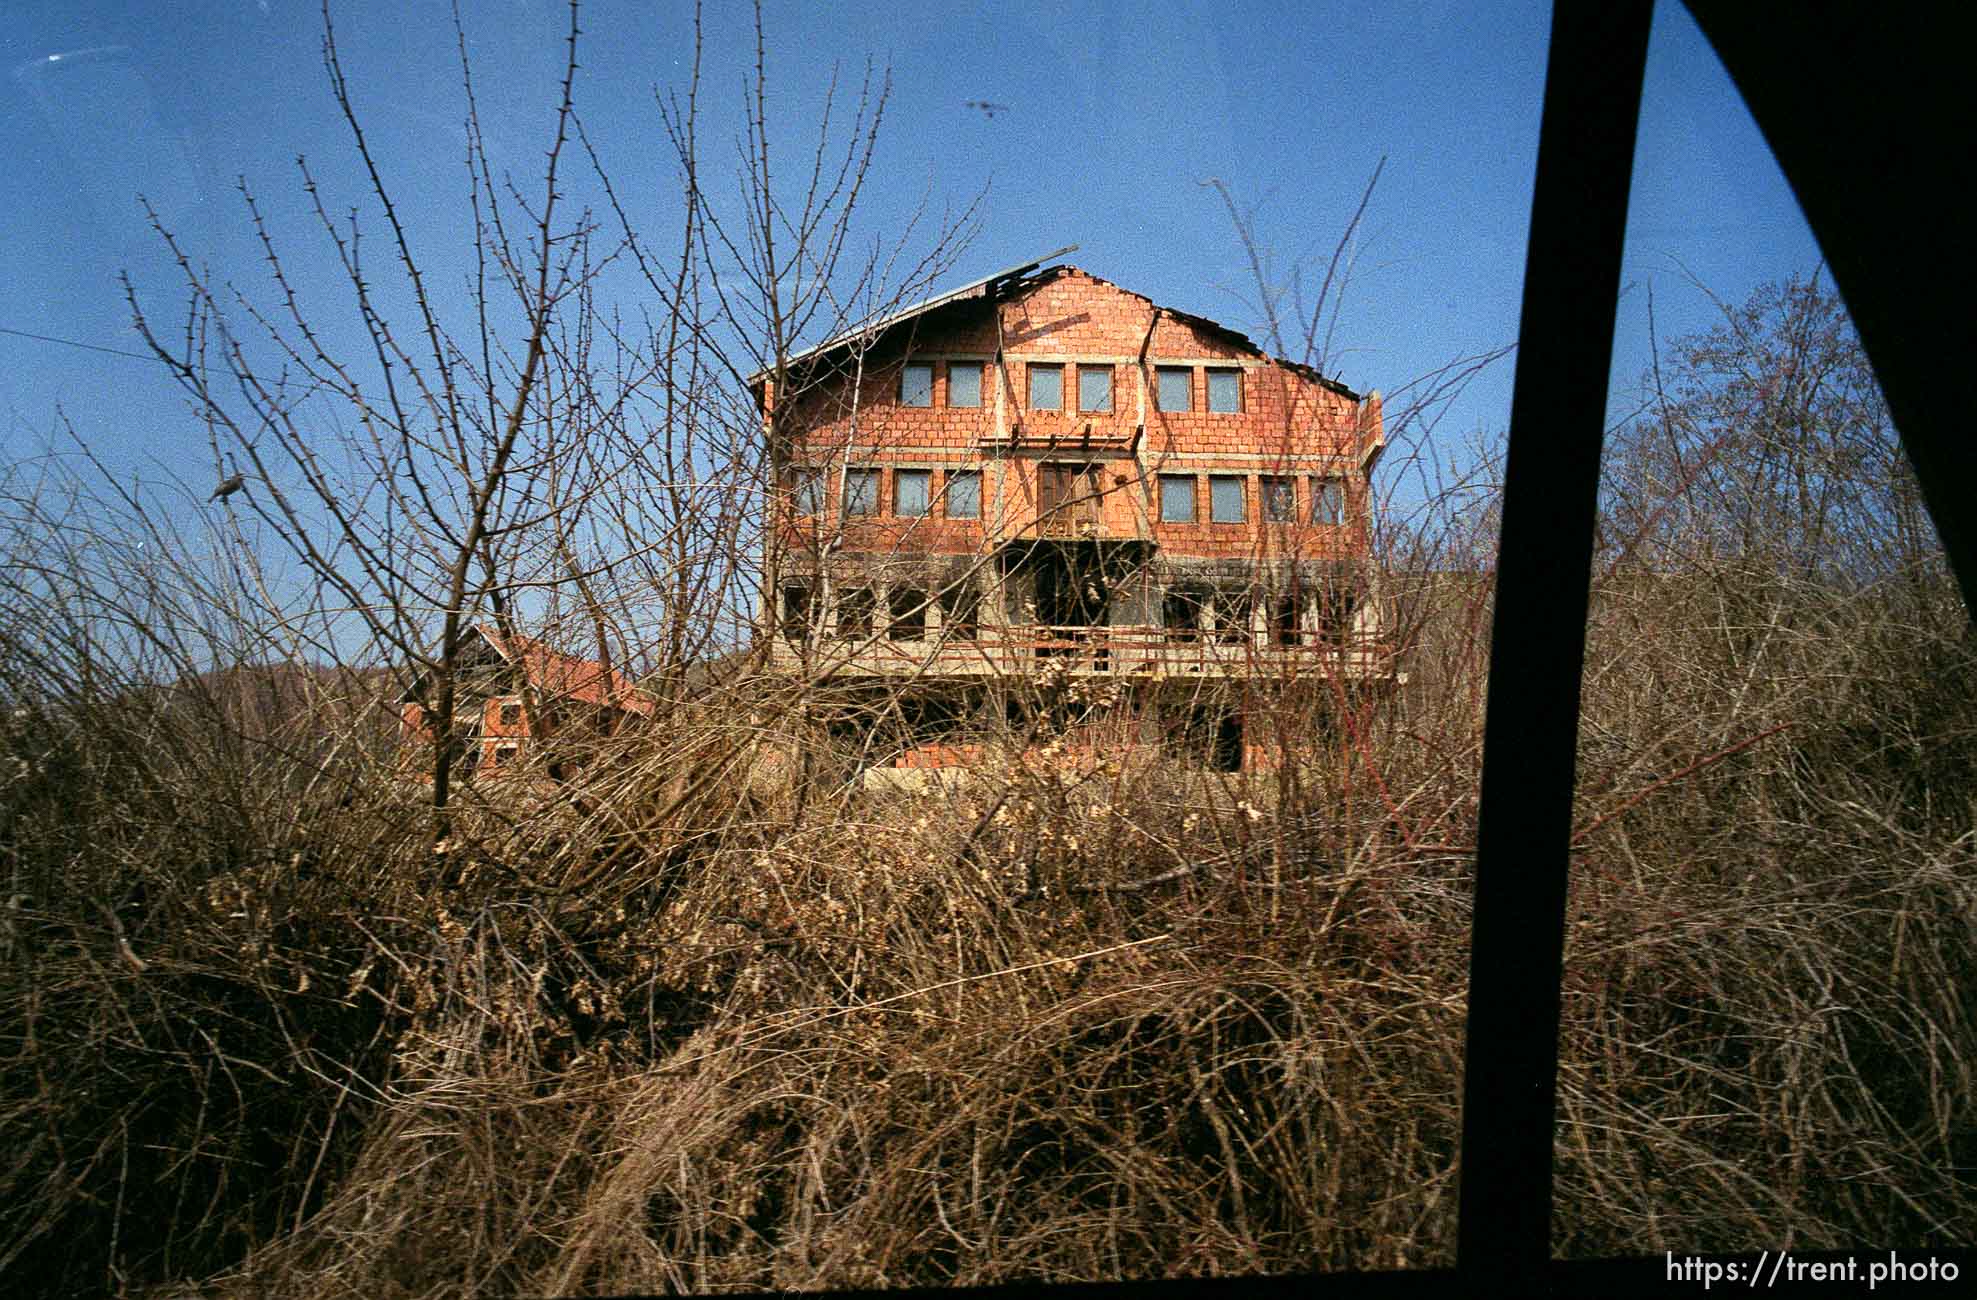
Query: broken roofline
[
  {"x": 991, "y": 286},
  {"x": 975, "y": 289}
]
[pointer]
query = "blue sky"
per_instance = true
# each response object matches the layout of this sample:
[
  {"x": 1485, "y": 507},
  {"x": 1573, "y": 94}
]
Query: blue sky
[{"x": 1117, "y": 116}]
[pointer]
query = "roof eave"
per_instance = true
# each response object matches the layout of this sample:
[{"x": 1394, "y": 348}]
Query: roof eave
[
  {"x": 990, "y": 286},
  {"x": 982, "y": 288}
]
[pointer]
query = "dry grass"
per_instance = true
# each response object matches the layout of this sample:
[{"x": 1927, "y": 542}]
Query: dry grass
[{"x": 696, "y": 1034}]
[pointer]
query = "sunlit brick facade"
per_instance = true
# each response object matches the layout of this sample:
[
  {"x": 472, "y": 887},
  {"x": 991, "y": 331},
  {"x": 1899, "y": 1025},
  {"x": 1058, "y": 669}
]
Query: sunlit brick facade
[{"x": 1047, "y": 474}]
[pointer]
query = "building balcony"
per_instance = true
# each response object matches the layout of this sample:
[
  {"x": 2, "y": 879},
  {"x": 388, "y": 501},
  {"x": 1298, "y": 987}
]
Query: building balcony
[{"x": 1144, "y": 651}]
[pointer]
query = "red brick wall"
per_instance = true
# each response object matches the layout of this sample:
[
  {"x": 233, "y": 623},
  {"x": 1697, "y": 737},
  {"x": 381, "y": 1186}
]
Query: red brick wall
[{"x": 491, "y": 723}]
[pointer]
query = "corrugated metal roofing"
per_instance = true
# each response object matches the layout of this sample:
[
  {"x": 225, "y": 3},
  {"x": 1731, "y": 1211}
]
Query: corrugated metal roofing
[{"x": 976, "y": 289}]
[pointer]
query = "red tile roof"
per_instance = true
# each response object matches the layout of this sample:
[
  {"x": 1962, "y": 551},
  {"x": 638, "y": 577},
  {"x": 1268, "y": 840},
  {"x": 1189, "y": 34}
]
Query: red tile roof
[{"x": 567, "y": 677}]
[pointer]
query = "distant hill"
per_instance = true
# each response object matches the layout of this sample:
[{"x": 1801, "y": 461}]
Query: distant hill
[{"x": 304, "y": 709}]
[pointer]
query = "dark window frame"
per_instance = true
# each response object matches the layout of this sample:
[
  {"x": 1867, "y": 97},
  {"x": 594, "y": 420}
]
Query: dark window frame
[
  {"x": 861, "y": 474},
  {"x": 981, "y": 380},
  {"x": 1111, "y": 385},
  {"x": 906, "y": 614},
  {"x": 948, "y": 480},
  {"x": 1162, "y": 482},
  {"x": 904, "y": 474},
  {"x": 1241, "y": 482},
  {"x": 1224, "y": 372},
  {"x": 1332, "y": 489},
  {"x": 1274, "y": 491},
  {"x": 1032, "y": 370}
]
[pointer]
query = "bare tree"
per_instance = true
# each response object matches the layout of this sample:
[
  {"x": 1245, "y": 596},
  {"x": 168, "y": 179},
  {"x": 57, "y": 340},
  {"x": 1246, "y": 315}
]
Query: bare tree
[
  {"x": 1764, "y": 443},
  {"x": 544, "y": 456}
]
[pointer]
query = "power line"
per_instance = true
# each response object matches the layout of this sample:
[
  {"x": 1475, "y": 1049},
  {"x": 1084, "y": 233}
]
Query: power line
[{"x": 71, "y": 343}]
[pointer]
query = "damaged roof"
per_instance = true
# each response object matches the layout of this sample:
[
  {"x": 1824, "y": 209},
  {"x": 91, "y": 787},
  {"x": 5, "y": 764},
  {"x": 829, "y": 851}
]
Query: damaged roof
[
  {"x": 548, "y": 670},
  {"x": 997, "y": 285}
]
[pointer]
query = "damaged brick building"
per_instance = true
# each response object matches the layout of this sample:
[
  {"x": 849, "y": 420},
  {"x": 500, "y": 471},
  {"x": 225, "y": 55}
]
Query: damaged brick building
[
  {"x": 1044, "y": 492},
  {"x": 520, "y": 700}
]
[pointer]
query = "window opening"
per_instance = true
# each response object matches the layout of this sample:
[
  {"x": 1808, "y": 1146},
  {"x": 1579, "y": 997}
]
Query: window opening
[
  {"x": 908, "y": 607},
  {"x": 1284, "y": 617},
  {"x": 1327, "y": 501},
  {"x": 964, "y": 383},
  {"x": 807, "y": 489},
  {"x": 1231, "y": 608},
  {"x": 854, "y": 612},
  {"x": 1224, "y": 391},
  {"x": 796, "y": 613},
  {"x": 1177, "y": 499},
  {"x": 861, "y": 492},
  {"x": 1095, "y": 389},
  {"x": 1180, "y": 613},
  {"x": 964, "y": 494},
  {"x": 910, "y": 491},
  {"x": 1225, "y": 499},
  {"x": 1174, "y": 385},
  {"x": 1279, "y": 501},
  {"x": 1046, "y": 387},
  {"x": 1338, "y": 602},
  {"x": 960, "y": 610},
  {"x": 1227, "y": 755}
]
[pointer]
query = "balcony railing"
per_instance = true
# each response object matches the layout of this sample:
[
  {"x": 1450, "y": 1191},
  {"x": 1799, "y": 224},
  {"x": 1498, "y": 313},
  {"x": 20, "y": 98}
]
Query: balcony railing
[{"x": 1139, "y": 650}]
